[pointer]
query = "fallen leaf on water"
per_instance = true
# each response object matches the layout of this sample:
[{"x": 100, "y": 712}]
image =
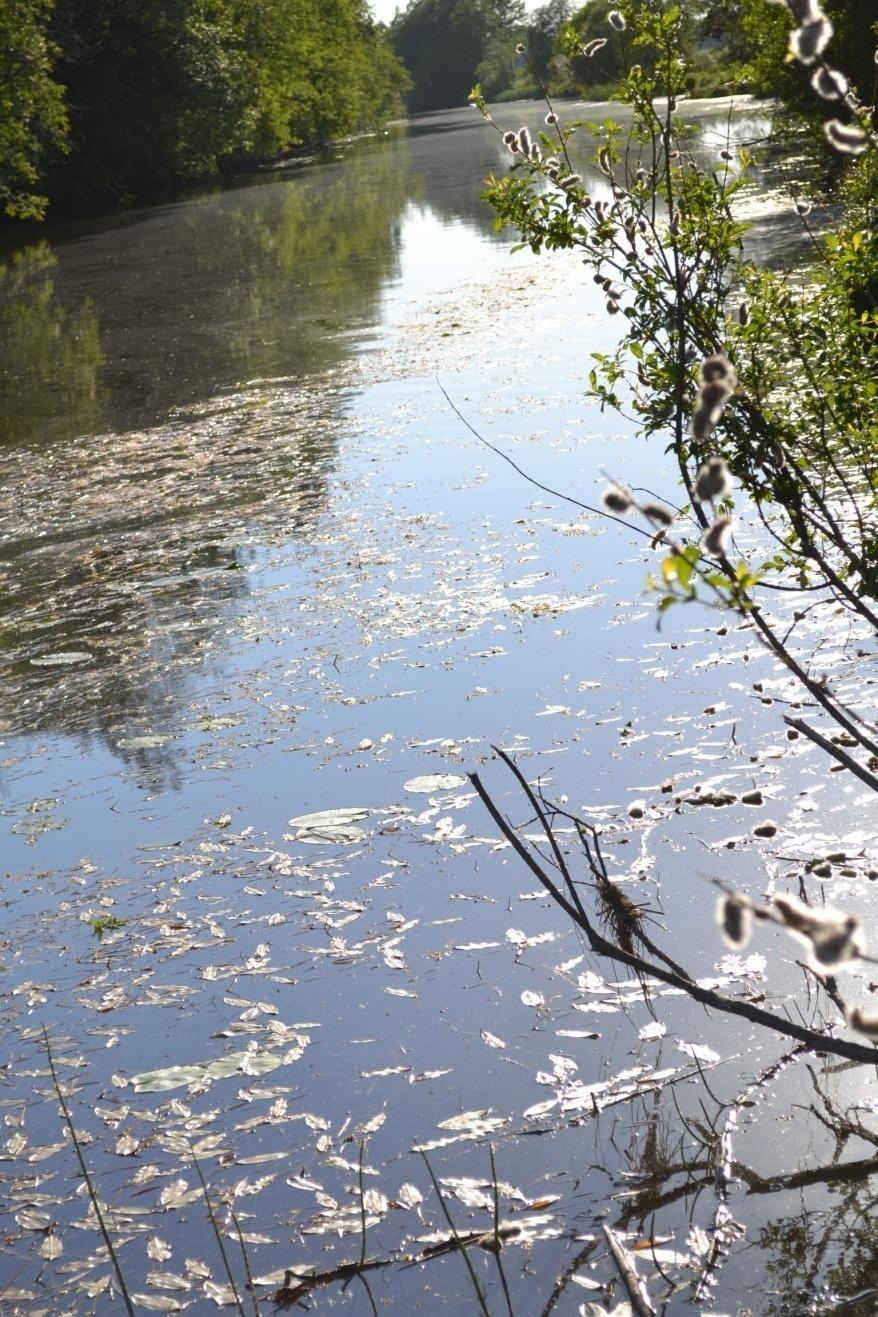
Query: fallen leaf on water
[
  {"x": 146, "y": 742},
  {"x": 699, "y": 1052},
  {"x": 434, "y": 782},
  {"x": 331, "y": 826},
  {"x": 409, "y": 1195}
]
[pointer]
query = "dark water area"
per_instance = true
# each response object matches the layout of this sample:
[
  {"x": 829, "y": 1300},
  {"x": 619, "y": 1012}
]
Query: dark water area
[{"x": 255, "y": 569}]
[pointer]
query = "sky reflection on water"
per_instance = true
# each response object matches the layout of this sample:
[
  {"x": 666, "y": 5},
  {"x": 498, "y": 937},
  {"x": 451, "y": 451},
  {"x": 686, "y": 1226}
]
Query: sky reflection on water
[{"x": 289, "y": 581}]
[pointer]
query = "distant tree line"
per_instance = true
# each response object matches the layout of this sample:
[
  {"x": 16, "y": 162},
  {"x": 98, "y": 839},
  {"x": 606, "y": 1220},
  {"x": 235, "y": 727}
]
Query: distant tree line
[
  {"x": 111, "y": 100},
  {"x": 729, "y": 45}
]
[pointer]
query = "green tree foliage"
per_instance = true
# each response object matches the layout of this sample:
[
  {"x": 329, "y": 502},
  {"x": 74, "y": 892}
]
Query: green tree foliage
[
  {"x": 443, "y": 43},
  {"x": 180, "y": 89},
  {"x": 164, "y": 92},
  {"x": 32, "y": 118},
  {"x": 543, "y": 31}
]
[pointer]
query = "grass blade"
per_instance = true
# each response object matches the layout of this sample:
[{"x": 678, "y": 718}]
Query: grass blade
[
  {"x": 460, "y": 1246},
  {"x": 126, "y": 1297},
  {"x": 216, "y": 1231},
  {"x": 362, "y": 1206},
  {"x": 247, "y": 1269}
]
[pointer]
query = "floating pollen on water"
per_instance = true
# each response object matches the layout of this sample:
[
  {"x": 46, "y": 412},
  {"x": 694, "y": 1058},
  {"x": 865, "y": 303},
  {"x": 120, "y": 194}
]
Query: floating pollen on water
[{"x": 616, "y": 20}]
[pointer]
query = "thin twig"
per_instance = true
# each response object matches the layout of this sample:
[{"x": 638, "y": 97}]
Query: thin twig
[
  {"x": 531, "y": 480},
  {"x": 831, "y": 748},
  {"x": 815, "y": 1041},
  {"x": 362, "y": 1207},
  {"x": 640, "y": 1304}
]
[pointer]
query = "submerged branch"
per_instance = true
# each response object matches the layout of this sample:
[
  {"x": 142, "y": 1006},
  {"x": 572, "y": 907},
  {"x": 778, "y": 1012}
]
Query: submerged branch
[{"x": 813, "y": 1039}]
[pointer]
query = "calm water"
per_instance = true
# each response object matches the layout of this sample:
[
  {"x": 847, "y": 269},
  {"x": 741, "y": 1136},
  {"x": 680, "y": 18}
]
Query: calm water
[{"x": 254, "y": 567}]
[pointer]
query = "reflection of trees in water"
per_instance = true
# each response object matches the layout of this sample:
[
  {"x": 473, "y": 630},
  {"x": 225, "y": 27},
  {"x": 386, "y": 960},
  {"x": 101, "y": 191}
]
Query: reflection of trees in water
[
  {"x": 833, "y": 1244},
  {"x": 126, "y": 548},
  {"x": 123, "y": 545},
  {"x": 819, "y": 1229},
  {"x": 123, "y": 325},
  {"x": 118, "y": 325},
  {"x": 50, "y": 353},
  {"x": 473, "y": 150}
]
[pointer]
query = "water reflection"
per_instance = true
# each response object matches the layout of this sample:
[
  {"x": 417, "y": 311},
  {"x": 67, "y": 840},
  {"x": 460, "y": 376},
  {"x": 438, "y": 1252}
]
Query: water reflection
[
  {"x": 117, "y": 325},
  {"x": 50, "y": 352},
  {"x": 116, "y": 329},
  {"x": 181, "y": 373},
  {"x": 126, "y": 561},
  {"x": 123, "y": 547}
]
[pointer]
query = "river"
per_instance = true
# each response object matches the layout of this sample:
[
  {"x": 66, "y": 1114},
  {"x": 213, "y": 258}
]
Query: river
[{"x": 255, "y": 568}]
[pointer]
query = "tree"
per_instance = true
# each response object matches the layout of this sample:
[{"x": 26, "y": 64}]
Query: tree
[
  {"x": 443, "y": 43},
  {"x": 185, "y": 89},
  {"x": 542, "y": 34},
  {"x": 33, "y": 121}
]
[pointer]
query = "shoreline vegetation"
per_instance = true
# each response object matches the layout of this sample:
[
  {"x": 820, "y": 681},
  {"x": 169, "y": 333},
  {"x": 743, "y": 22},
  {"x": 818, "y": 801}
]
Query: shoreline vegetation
[
  {"x": 108, "y": 104},
  {"x": 105, "y": 106}
]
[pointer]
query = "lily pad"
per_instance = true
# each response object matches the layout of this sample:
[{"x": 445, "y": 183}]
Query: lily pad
[
  {"x": 243, "y": 1063},
  {"x": 180, "y": 1076},
  {"x": 332, "y": 826},
  {"x": 162, "y": 1081},
  {"x": 435, "y": 782}
]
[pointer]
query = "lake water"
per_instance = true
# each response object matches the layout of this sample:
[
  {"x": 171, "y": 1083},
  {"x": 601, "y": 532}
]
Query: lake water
[{"x": 254, "y": 567}]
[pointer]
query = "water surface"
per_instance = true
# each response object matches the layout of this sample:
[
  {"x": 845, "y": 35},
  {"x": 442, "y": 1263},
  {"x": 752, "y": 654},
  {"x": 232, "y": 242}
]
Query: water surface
[{"x": 254, "y": 567}]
